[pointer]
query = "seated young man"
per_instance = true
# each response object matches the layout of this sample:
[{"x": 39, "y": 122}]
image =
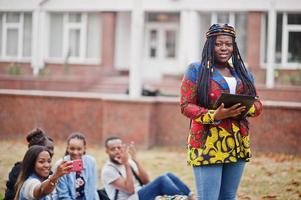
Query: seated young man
[{"x": 124, "y": 178}]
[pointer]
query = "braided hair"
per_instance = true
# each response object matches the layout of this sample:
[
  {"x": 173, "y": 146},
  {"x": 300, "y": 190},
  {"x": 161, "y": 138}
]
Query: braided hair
[
  {"x": 76, "y": 135},
  {"x": 208, "y": 62}
]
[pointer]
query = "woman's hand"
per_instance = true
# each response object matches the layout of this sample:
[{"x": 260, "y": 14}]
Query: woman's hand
[
  {"x": 223, "y": 113},
  {"x": 63, "y": 168},
  {"x": 49, "y": 184}
]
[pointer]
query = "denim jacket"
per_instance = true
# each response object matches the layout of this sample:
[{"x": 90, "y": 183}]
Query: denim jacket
[
  {"x": 66, "y": 184},
  {"x": 22, "y": 192}
]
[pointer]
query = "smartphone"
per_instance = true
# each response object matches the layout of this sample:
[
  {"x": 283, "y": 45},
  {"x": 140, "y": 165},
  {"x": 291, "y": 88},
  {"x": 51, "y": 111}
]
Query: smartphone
[{"x": 77, "y": 165}]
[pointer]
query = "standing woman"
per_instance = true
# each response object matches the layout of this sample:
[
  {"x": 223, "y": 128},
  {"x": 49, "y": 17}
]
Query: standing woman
[
  {"x": 34, "y": 181},
  {"x": 80, "y": 185},
  {"x": 218, "y": 143}
]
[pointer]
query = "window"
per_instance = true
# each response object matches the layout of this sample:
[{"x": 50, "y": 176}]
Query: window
[
  {"x": 153, "y": 43},
  {"x": 170, "y": 43},
  {"x": 15, "y": 35},
  {"x": 162, "y": 35},
  {"x": 288, "y": 40},
  {"x": 27, "y": 35},
  {"x": 75, "y": 36}
]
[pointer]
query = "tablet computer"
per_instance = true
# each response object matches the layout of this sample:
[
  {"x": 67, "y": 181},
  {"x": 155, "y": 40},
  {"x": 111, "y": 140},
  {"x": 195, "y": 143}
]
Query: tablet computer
[{"x": 232, "y": 99}]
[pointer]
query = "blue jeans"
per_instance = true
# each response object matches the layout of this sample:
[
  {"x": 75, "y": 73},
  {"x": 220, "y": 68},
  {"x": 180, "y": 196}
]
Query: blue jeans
[
  {"x": 167, "y": 184},
  {"x": 218, "y": 181}
]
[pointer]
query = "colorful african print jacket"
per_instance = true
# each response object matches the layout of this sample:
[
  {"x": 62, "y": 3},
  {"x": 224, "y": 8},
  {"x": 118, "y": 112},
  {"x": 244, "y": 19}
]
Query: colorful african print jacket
[{"x": 224, "y": 141}]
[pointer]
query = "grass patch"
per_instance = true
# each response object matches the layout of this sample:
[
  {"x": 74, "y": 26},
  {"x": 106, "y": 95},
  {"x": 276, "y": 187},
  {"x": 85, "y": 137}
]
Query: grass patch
[{"x": 267, "y": 176}]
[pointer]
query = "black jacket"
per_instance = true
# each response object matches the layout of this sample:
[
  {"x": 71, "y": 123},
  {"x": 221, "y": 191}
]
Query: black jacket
[{"x": 12, "y": 179}]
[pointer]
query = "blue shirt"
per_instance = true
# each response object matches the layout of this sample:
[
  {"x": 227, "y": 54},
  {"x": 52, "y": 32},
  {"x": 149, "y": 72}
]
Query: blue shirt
[{"x": 66, "y": 184}]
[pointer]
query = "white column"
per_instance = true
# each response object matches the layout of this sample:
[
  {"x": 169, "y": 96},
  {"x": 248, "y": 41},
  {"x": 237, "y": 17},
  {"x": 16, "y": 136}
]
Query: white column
[
  {"x": 189, "y": 38},
  {"x": 193, "y": 39},
  {"x": 183, "y": 61},
  {"x": 37, "y": 59},
  {"x": 271, "y": 48},
  {"x": 135, "y": 74}
]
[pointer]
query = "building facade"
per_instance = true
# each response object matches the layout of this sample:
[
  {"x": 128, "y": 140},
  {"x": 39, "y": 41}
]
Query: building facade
[{"x": 149, "y": 39}]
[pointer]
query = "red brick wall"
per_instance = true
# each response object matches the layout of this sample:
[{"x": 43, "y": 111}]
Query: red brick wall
[
  {"x": 278, "y": 129},
  {"x": 253, "y": 39},
  {"x": 171, "y": 126},
  {"x": 25, "y": 68},
  {"x": 283, "y": 93},
  {"x": 59, "y": 116},
  {"x": 129, "y": 120},
  {"x": 108, "y": 31},
  {"x": 253, "y": 45},
  {"x": 147, "y": 121}
]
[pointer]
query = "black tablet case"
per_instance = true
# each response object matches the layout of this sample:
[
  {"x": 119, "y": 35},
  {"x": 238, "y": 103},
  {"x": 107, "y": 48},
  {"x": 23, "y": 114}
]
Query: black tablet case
[{"x": 232, "y": 99}]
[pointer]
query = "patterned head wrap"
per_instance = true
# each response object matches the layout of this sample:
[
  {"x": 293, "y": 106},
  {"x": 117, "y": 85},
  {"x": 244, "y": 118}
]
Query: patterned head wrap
[{"x": 220, "y": 29}]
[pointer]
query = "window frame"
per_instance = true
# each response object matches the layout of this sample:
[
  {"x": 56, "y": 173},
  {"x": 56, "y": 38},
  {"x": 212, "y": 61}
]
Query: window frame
[
  {"x": 82, "y": 26},
  {"x": 19, "y": 26},
  {"x": 214, "y": 17},
  {"x": 286, "y": 29},
  {"x": 161, "y": 28},
  {"x": 73, "y": 26}
]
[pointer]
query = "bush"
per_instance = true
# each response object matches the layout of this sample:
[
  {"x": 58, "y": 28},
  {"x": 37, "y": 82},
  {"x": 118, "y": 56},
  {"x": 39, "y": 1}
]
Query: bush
[{"x": 14, "y": 69}]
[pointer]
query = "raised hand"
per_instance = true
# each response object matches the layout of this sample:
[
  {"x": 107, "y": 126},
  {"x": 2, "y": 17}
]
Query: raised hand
[
  {"x": 132, "y": 151},
  {"x": 124, "y": 157},
  {"x": 63, "y": 168}
]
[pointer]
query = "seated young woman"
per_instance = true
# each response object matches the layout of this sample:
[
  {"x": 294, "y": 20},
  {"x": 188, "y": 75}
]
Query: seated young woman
[
  {"x": 34, "y": 181},
  {"x": 79, "y": 184}
]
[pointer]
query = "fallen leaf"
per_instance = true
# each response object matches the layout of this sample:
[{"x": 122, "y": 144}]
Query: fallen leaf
[{"x": 270, "y": 196}]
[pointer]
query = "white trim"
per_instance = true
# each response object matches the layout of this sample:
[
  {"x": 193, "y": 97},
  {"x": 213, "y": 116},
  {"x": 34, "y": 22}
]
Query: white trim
[
  {"x": 270, "y": 79},
  {"x": 262, "y": 40},
  {"x": 284, "y": 46},
  {"x": 65, "y": 49},
  {"x": 294, "y": 28},
  {"x": 213, "y": 19},
  {"x": 20, "y": 36},
  {"x": 47, "y": 35},
  {"x": 19, "y": 27},
  {"x": 89, "y": 61},
  {"x": 83, "y": 36},
  {"x": 193, "y": 33},
  {"x": 232, "y": 18},
  {"x": 137, "y": 32},
  {"x": 3, "y": 35},
  {"x": 153, "y": 5},
  {"x": 14, "y": 59},
  {"x": 183, "y": 32},
  {"x": 287, "y": 66},
  {"x": 161, "y": 43},
  {"x": 35, "y": 41}
]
